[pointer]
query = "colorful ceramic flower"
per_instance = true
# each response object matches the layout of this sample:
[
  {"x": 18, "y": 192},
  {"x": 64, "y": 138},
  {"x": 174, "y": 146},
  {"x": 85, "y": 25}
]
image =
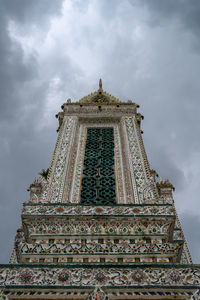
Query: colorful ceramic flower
[{"x": 63, "y": 276}]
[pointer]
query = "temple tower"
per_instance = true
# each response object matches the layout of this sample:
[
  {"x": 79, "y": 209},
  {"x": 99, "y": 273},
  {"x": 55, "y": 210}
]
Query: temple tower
[{"x": 100, "y": 226}]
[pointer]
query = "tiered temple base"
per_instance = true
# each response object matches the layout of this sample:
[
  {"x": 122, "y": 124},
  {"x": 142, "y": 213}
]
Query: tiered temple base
[
  {"x": 75, "y": 252},
  {"x": 71, "y": 234}
]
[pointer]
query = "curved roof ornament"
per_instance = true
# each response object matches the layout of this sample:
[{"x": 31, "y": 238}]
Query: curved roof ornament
[{"x": 99, "y": 96}]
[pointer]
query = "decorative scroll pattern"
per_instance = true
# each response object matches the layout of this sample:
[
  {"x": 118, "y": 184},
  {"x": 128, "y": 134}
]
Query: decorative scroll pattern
[
  {"x": 87, "y": 250},
  {"x": 143, "y": 187},
  {"x": 80, "y": 226},
  {"x": 108, "y": 277},
  {"x": 56, "y": 183},
  {"x": 122, "y": 195},
  {"x": 75, "y": 210},
  {"x": 96, "y": 247},
  {"x": 76, "y": 180}
]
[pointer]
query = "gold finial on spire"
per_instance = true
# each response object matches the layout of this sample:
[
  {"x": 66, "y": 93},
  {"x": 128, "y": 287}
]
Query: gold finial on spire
[{"x": 100, "y": 84}]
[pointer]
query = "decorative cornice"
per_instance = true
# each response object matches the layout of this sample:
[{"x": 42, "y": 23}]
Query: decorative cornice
[
  {"x": 85, "y": 210},
  {"x": 174, "y": 276},
  {"x": 78, "y": 292},
  {"x": 142, "y": 266}
]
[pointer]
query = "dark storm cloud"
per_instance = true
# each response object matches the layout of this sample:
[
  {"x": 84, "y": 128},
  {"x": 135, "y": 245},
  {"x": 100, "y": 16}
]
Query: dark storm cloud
[
  {"x": 36, "y": 11},
  {"x": 22, "y": 95},
  {"x": 177, "y": 95},
  {"x": 15, "y": 72},
  {"x": 191, "y": 224},
  {"x": 166, "y": 166},
  {"x": 183, "y": 11}
]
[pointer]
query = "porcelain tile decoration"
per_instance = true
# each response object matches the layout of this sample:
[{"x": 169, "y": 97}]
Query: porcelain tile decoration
[{"x": 100, "y": 226}]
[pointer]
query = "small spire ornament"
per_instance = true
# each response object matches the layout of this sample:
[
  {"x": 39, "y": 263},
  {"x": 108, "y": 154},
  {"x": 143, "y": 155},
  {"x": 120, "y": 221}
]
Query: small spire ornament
[{"x": 100, "y": 85}]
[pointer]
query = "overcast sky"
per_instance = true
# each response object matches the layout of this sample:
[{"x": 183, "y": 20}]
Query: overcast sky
[{"x": 144, "y": 50}]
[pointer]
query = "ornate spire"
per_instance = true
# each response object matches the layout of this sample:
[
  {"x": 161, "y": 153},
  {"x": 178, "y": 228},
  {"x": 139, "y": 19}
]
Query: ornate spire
[
  {"x": 99, "y": 96},
  {"x": 100, "y": 85}
]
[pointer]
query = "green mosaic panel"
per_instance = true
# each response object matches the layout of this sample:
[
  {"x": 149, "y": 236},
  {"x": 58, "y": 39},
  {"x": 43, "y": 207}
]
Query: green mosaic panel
[{"x": 98, "y": 181}]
